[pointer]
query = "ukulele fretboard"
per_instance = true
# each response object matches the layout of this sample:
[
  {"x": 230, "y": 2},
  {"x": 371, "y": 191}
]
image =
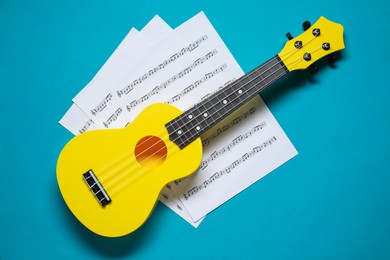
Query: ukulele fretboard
[{"x": 194, "y": 122}]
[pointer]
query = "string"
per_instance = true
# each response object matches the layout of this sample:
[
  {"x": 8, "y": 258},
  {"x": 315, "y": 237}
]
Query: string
[
  {"x": 106, "y": 167},
  {"x": 140, "y": 173},
  {"x": 112, "y": 163},
  {"x": 148, "y": 139},
  {"x": 156, "y": 160},
  {"x": 217, "y": 111}
]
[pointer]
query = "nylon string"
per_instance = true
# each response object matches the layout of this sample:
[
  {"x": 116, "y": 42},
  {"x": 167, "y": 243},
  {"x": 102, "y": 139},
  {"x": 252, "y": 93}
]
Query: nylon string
[{"x": 130, "y": 163}]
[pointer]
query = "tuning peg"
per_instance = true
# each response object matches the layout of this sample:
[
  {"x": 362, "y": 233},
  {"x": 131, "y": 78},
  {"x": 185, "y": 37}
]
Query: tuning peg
[
  {"x": 306, "y": 25},
  {"x": 289, "y": 36},
  {"x": 313, "y": 69},
  {"x": 332, "y": 58}
]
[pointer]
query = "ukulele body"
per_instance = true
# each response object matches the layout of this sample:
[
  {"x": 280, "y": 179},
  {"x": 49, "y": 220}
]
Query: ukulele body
[
  {"x": 111, "y": 179},
  {"x": 130, "y": 166}
]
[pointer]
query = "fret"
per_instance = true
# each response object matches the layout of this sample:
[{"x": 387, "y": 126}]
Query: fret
[
  {"x": 269, "y": 76},
  {"x": 207, "y": 120},
  {"x": 189, "y": 120},
  {"x": 198, "y": 121},
  {"x": 173, "y": 132},
  {"x": 220, "y": 102},
  {"x": 195, "y": 113},
  {"x": 209, "y": 112},
  {"x": 210, "y": 108},
  {"x": 241, "y": 91},
  {"x": 258, "y": 79},
  {"x": 194, "y": 122},
  {"x": 217, "y": 104},
  {"x": 245, "y": 80}
]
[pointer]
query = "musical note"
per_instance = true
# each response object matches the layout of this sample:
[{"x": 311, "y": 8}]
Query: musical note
[
  {"x": 86, "y": 126},
  {"x": 178, "y": 181},
  {"x": 231, "y": 145},
  {"x": 112, "y": 118},
  {"x": 103, "y": 104},
  {"x": 172, "y": 79},
  {"x": 229, "y": 168},
  {"x": 224, "y": 128},
  {"x": 196, "y": 83},
  {"x": 149, "y": 75},
  {"x": 126, "y": 90},
  {"x": 165, "y": 196}
]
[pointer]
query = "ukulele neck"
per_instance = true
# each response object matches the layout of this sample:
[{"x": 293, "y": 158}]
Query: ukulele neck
[{"x": 194, "y": 122}]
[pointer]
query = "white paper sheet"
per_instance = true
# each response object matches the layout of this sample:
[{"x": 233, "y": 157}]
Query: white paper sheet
[
  {"x": 97, "y": 95},
  {"x": 189, "y": 64},
  {"x": 191, "y": 53},
  {"x": 77, "y": 121},
  {"x": 198, "y": 53},
  {"x": 237, "y": 152}
]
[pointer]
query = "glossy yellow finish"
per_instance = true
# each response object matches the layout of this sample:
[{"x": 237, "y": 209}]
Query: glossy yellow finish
[
  {"x": 330, "y": 32},
  {"x": 132, "y": 186},
  {"x": 131, "y": 174}
]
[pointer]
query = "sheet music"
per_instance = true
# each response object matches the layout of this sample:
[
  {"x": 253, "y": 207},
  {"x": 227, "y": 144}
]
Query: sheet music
[
  {"x": 97, "y": 94},
  {"x": 77, "y": 121},
  {"x": 237, "y": 152},
  {"x": 182, "y": 68},
  {"x": 170, "y": 198}
]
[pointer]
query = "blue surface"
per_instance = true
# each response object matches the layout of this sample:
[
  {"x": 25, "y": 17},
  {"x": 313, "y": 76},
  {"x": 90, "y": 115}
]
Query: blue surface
[{"x": 332, "y": 201}]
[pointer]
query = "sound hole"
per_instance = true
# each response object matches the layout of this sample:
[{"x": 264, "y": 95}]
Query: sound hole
[{"x": 150, "y": 151}]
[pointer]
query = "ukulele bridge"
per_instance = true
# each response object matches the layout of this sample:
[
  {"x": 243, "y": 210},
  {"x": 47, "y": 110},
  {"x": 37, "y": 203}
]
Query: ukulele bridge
[{"x": 96, "y": 188}]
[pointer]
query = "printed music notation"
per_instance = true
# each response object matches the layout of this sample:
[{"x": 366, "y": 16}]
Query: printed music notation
[
  {"x": 197, "y": 83},
  {"x": 162, "y": 65},
  {"x": 206, "y": 141},
  {"x": 86, "y": 126},
  {"x": 169, "y": 81},
  {"x": 170, "y": 198},
  {"x": 231, "y": 145},
  {"x": 218, "y": 89},
  {"x": 101, "y": 105},
  {"x": 229, "y": 168},
  {"x": 218, "y": 132},
  {"x": 113, "y": 117},
  {"x": 139, "y": 84}
]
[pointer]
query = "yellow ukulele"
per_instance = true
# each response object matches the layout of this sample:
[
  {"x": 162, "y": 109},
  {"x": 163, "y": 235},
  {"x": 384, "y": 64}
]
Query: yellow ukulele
[{"x": 111, "y": 179}]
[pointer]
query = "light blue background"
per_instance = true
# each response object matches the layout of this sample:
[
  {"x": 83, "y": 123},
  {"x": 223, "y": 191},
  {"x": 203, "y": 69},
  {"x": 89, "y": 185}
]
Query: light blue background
[{"x": 332, "y": 201}]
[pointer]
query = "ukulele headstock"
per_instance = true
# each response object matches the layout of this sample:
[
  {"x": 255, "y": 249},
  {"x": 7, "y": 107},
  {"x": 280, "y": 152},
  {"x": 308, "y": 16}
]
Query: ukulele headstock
[{"x": 321, "y": 39}]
